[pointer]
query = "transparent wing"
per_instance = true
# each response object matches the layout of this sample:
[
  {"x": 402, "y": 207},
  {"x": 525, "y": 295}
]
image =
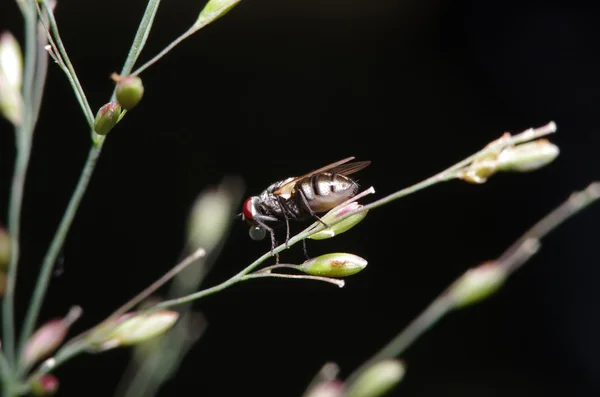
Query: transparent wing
[{"x": 339, "y": 167}]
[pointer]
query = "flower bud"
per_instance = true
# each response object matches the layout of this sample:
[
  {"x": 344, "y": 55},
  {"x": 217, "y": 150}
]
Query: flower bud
[
  {"x": 107, "y": 117},
  {"x": 46, "y": 385},
  {"x": 11, "y": 61},
  {"x": 134, "y": 328},
  {"x": 342, "y": 226},
  {"x": 213, "y": 10},
  {"x": 479, "y": 171},
  {"x": 477, "y": 283},
  {"x": 528, "y": 156},
  {"x": 130, "y": 91},
  {"x": 334, "y": 265},
  {"x": 48, "y": 337},
  {"x": 5, "y": 248},
  {"x": 378, "y": 379},
  {"x": 334, "y": 388}
]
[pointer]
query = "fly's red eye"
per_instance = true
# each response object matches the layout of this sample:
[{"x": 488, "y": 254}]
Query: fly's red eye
[{"x": 248, "y": 208}]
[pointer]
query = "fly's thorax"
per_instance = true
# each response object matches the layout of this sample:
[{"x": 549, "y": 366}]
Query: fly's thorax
[{"x": 324, "y": 191}]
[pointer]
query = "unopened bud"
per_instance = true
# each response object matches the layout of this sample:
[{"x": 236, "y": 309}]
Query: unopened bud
[
  {"x": 334, "y": 265},
  {"x": 213, "y": 10},
  {"x": 134, "y": 328},
  {"x": 48, "y": 337},
  {"x": 107, "y": 117},
  {"x": 479, "y": 171},
  {"x": 46, "y": 385},
  {"x": 477, "y": 284},
  {"x": 334, "y": 388},
  {"x": 5, "y": 248},
  {"x": 130, "y": 91},
  {"x": 342, "y": 226},
  {"x": 378, "y": 379},
  {"x": 528, "y": 156},
  {"x": 11, "y": 61}
]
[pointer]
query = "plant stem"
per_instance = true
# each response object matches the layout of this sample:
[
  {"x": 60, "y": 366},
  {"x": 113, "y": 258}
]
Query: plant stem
[
  {"x": 512, "y": 258},
  {"x": 72, "y": 76},
  {"x": 164, "y": 52},
  {"x": 57, "y": 243},
  {"x": 23, "y": 135},
  {"x": 335, "y": 281},
  {"x": 88, "y": 169}
]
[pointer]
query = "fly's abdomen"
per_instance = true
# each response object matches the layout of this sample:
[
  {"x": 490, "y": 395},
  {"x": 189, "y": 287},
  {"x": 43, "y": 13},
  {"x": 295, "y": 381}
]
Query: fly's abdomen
[{"x": 324, "y": 191}]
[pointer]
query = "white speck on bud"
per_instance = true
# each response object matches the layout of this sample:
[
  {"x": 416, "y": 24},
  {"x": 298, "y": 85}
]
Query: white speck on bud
[
  {"x": 334, "y": 265},
  {"x": 477, "y": 284},
  {"x": 213, "y": 10},
  {"x": 377, "y": 380},
  {"x": 528, "y": 156},
  {"x": 134, "y": 328},
  {"x": 342, "y": 226}
]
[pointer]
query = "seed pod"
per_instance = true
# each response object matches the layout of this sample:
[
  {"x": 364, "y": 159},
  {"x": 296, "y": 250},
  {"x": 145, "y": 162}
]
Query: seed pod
[
  {"x": 342, "y": 226},
  {"x": 46, "y": 385},
  {"x": 334, "y": 265},
  {"x": 528, "y": 156},
  {"x": 377, "y": 380},
  {"x": 107, "y": 117},
  {"x": 130, "y": 91},
  {"x": 477, "y": 284}
]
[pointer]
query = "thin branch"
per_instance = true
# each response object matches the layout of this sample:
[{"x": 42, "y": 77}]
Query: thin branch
[
  {"x": 510, "y": 260},
  {"x": 334, "y": 281}
]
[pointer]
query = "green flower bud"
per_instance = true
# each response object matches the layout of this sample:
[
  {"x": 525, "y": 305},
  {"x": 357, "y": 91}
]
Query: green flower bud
[
  {"x": 342, "y": 226},
  {"x": 5, "y": 249},
  {"x": 48, "y": 337},
  {"x": 334, "y": 265},
  {"x": 528, "y": 156},
  {"x": 134, "y": 328},
  {"x": 130, "y": 91},
  {"x": 477, "y": 283},
  {"x": 378, "y": 379},
  {"x": 107, "y": 117},
  {"x": 213, "y": 10},
  {"x": 46, "y": 385}
]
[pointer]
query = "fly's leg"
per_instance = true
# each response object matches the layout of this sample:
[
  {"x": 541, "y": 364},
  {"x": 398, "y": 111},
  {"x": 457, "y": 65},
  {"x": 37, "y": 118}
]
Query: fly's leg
[
  {"x": 287, "y": 221},
  {"x": 273, "y": 242},
  {"x": 310, "y": 211},
  {"x": 305, "y": 251}
]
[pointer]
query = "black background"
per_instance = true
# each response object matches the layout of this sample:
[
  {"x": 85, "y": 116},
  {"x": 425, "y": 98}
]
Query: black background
[{"x": 277, "y": 88}]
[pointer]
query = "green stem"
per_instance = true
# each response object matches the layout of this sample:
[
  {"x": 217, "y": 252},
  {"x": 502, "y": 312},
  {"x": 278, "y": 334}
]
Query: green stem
[
  {"x": 95, "y": 151},
  {"x": 71, "y": 75},
  {"x": 164, "y": 52},
  {"x": 23, "y": 135},
  {"x": 57, "y": 243},
  {"x": 334, "y": 281},
  {"x": 511, "y": 259}
]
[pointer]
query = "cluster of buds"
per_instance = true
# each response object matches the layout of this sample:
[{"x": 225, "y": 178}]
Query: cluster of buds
[
  {"x": 524, "y": 157},
  {"x": 11, "y": 78},
  {"x": 129, "y": 92}
]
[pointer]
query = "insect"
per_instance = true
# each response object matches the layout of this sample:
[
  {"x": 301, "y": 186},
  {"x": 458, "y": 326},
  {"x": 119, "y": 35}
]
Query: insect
[{"x": 300, "y": 198}]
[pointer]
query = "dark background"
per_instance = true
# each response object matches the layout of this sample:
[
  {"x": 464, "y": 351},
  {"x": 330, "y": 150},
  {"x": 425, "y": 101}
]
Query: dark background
[{"x": 277, "y": 88}]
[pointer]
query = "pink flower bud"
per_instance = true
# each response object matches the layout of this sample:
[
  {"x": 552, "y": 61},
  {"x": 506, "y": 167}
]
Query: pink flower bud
[
  {"x": 46, "y": 385},
  {"x": 48, "y": 337}
]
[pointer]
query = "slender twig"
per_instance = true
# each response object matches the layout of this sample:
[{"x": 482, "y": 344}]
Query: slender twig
[
  {"x": 277, "y": 266},
  {"x": 518, "y": 253},
  {"x": 164, "y": 52},
  {"x": 72, "y": 76},
  {"x": 23, "y": 135},
  {"x": 335, "y": 281},
  {"x": 88, "y": 169}
]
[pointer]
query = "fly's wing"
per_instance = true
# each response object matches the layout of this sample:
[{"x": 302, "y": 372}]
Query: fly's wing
[{"x": 339, "y": 167}]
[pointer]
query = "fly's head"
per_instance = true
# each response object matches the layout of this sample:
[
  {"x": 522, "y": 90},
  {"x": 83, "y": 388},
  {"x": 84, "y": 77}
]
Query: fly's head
[{"x": 250, "y": 213}]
